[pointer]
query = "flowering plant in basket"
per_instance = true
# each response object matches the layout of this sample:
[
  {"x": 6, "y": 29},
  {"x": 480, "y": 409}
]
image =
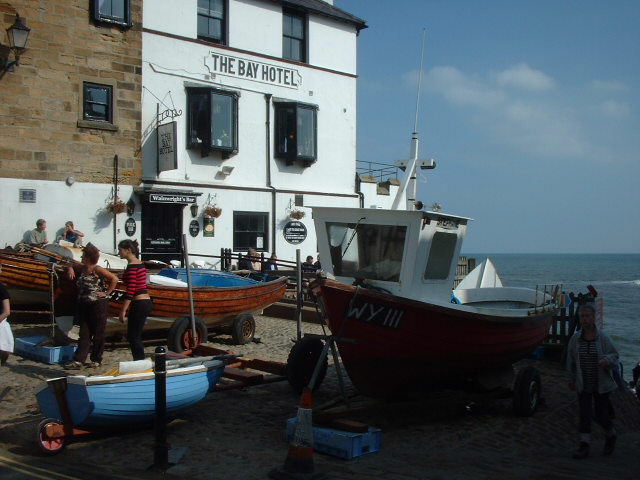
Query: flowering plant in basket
[
  {"x": 212, "y": 211},
  {"x": 117, "y": 206},
  {"x": 297, "y": 214}
]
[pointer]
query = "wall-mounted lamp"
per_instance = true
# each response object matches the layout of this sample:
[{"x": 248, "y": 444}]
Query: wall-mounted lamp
[
  {"x": 18, "y": 34},
  {"x": 226, "y": 170},
  {"x": 194, "y": 210},
  {"x": 131, "y": 207}
]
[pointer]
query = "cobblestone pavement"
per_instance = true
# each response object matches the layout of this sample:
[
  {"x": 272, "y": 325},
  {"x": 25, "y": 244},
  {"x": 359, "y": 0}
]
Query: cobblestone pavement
[{"x": 240, "y": 433}]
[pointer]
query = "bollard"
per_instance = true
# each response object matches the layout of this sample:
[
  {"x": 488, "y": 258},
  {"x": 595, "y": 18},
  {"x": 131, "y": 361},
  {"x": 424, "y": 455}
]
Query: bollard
[{"x": 161, "y": 447}]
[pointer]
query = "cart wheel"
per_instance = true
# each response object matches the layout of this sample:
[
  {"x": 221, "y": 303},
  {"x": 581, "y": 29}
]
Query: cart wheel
[
  {"x": 302, "y": 360},
  {"x": 243, "y": 329},
  {"x": 46, "y": 444},
  {"x": 526, "y": 392},
  {"x": 180, "y": 338}
]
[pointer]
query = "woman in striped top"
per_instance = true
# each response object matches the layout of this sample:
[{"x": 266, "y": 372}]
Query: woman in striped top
[
  {"x": 591, "y": 358},
  {"x": 135, "y": 278}
]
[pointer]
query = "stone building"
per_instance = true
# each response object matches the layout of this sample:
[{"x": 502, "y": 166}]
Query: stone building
[{"x": 71, "y": 105}]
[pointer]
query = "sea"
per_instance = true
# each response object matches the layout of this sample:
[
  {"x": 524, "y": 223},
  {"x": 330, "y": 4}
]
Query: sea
[{"x": 616, "y": 277}]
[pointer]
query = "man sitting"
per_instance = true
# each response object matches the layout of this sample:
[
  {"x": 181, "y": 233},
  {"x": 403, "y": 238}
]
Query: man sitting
[{"x": 38, "y": 236}]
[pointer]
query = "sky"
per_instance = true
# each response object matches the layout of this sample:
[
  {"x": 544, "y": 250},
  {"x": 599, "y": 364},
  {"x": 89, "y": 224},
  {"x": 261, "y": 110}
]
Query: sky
[{"x": 531, "y": 110}]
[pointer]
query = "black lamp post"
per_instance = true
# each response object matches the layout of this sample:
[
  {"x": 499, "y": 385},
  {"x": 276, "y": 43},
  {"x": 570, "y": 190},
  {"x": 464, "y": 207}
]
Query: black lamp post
[{"x": 18, "y": 34}]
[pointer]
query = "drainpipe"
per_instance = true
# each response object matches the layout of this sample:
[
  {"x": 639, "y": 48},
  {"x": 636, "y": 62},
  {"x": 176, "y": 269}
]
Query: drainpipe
[
  {"x": 115, "y": 199},
  {"x": 359, "y": 192},
  {"x": 267, "y": 100}
]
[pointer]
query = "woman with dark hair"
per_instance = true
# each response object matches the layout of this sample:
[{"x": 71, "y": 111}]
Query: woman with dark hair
[
  {"x": 135, "y": 278},
  {"x": 591, "y": 358},
  {"x": 6, "y": 337},
  {"x": 91, "y": 307}
]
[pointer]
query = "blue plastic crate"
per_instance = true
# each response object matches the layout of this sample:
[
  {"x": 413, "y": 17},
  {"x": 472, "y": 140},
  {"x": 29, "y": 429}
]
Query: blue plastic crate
[
  {"x": 27, "y": 347},
  {"x": 339, "y": 443}
]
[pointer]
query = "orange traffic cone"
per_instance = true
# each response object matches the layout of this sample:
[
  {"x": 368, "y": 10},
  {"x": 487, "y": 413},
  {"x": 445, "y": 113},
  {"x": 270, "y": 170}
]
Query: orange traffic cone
[{"x": 299, "y": 462}]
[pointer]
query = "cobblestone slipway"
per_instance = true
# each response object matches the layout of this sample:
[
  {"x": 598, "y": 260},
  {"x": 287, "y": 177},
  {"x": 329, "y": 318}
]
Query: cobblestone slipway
[{"x": 240, "y": 433}]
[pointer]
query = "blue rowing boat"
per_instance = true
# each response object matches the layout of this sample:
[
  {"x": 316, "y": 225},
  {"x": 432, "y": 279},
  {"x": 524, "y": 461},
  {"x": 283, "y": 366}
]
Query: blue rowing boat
[
  {"x": 125, "y": 399},
  {"x": 205, "y": 277}
]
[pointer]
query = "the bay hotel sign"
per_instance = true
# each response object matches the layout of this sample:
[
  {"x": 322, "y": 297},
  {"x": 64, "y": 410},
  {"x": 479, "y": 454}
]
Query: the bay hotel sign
[{"x": 251, "y": 70}]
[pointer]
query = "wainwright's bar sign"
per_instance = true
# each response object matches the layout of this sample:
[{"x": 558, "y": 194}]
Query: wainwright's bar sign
[
  {"x": 170, "y": 198},
  {"x": 252, "y": 70}
]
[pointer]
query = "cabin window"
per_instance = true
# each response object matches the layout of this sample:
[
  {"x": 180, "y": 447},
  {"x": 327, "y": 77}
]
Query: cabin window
[
  {"x": 211, "y": 21},
  {"x": 212, "y": 120},
  {"x": 112, "y": 11},
  {"x": 294, "y": 44},
  {"x": 372, "y": 252},
  {"x": 441, "y": 253},
  {"x": 296, "y": 132},
  {"x": 250, "y": 230}
]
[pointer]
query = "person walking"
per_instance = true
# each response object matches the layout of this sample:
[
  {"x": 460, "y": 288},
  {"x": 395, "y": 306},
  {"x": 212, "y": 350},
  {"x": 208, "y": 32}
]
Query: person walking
[
  {"x": 591, "y": 358},
  {"x": 91, "y": 308},
  {"x": 136, "y": 297},
  {"x": 6, "y": 337}
]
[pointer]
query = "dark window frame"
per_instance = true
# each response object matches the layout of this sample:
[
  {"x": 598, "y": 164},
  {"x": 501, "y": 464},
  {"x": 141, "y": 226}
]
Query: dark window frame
[
  {"x": 285, "y": 127},
  {"x": 289, "y": 13},
  {"x": 100, "y": 17},
  {"x": 223, "y": 24},
  {"x": 85, "y": 101},
  {"x": 240, "y": 247},
  {"x": 208, "y": 144}
]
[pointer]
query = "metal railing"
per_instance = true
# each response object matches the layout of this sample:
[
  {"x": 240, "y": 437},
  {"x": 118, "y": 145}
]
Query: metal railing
[{"x": 379, "y": 171}]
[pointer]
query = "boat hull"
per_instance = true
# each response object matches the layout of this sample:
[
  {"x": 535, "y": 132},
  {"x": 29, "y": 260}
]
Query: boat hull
[
  {"x": 401, "y": 344},
  {"x": 128, "y": 400}
]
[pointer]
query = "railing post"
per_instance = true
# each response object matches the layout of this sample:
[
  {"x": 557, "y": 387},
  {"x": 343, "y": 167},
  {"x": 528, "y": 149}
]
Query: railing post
[{"x": 161, "y": 447}]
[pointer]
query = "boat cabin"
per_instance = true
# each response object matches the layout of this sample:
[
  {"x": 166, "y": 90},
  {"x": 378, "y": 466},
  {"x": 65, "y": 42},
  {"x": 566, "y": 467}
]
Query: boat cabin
[{"x": 411, "y": 254}]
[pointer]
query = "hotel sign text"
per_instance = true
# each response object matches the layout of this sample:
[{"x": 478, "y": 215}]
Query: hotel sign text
[{"x": 252, "y": 70}]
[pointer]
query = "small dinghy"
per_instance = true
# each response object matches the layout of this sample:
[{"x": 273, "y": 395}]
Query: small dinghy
[{"x": 124, "y": 398}]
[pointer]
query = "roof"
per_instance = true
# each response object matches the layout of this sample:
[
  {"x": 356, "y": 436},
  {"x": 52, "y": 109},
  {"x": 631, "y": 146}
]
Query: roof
[{"x": 320, "y": 7}]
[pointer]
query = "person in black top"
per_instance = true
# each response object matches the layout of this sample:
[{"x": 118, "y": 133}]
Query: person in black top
[
  {"x": 271, "y": 264},
  {"x": 247, "y": 262},
  {"x": 6, "y": 337},
  {"x": 308, "y": 266}
]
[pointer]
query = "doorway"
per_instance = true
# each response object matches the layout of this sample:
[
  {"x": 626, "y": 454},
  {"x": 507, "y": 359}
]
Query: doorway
[{"x": 162, "y": 231}]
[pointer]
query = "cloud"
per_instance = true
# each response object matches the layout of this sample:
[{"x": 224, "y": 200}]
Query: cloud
[
  {"x": 609, "y": 86},
  {"x": 539, "y": 126},
  {"x": 462, "y": 90},
  {"x": 612, "y": 108},
  {"x": 524, "y": 77}
]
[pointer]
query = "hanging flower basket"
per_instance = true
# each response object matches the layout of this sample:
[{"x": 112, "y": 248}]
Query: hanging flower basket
[
  {"x": 297, "y": 214},
  {"x": 116, "y": 207},
  {"x": 212, "y": 211}
]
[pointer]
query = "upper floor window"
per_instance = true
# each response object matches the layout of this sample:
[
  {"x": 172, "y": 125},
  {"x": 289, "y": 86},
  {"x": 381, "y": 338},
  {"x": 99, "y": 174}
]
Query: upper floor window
[
  {"x": 294, "y": 45},
  {"x": 112, "y": 11},
  {"x": 97, "y": 102},
  {"x": 296, "y": 132},
  {"x": 211, "y": 20},
  {"x": 212, "y": 120}
]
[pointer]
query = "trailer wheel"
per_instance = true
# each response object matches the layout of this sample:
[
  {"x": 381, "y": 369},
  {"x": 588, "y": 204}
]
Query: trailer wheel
[
  {"x": 180, "y": 337},
  {"x": 526, "y": 392},
  {"x": 49, "y": 445},
  {"x": 302, "y": 360},
  {"x": 243, "y": 329}
]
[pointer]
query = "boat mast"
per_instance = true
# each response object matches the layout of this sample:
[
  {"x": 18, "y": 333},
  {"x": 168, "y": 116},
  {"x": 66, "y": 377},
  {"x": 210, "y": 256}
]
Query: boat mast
[{"x": 407, "y": 188}]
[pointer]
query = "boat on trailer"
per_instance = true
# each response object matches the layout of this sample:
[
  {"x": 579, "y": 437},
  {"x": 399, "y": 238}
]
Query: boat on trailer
[
  {"x": 388, "y": 303},
  {"x": 75, "y": 404}
]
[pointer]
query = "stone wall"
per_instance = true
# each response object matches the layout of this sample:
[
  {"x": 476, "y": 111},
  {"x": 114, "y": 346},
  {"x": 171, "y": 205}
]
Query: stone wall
[{"x": 42, "y": 135}]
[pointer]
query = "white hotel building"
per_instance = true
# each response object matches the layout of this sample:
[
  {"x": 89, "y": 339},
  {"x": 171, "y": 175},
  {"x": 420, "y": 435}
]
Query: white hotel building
[{"x": 248, "y": 105}]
